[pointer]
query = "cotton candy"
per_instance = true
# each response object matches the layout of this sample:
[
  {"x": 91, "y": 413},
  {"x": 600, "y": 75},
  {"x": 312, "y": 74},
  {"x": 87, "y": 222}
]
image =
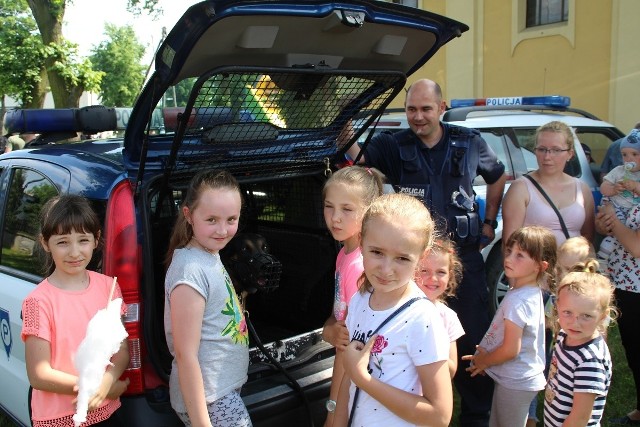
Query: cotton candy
[{"x": 105, "y": 332}]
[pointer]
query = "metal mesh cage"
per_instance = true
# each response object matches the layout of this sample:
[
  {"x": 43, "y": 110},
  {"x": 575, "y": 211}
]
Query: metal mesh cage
[
  {"x": 278, "y": 124},
  {"x": 284, "y": 203}
]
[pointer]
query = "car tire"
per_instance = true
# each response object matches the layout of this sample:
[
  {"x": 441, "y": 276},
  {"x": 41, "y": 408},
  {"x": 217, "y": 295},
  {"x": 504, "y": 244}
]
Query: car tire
[{"x": 496, "y": 280}]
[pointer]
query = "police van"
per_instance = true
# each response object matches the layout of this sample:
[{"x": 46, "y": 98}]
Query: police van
[
  {"x": 269, "y": 87},
  {"x": 508, "y": 124}
]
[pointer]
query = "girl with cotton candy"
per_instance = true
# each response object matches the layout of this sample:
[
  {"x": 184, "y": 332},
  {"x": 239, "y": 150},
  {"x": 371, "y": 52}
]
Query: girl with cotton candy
[{"x": 56, "y": 314}]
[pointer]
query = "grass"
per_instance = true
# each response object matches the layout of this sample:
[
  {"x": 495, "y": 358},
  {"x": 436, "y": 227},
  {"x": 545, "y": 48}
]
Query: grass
[{"x": 620, "y": 399}]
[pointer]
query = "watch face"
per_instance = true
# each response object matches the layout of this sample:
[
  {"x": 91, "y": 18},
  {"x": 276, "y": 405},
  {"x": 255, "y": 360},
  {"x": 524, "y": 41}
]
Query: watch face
[{"x": 330, "y": 405}]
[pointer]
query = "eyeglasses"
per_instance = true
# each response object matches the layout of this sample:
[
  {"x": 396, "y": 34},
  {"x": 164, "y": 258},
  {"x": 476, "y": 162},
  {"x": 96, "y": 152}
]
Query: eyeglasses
[{"x": 553, "y": 151}]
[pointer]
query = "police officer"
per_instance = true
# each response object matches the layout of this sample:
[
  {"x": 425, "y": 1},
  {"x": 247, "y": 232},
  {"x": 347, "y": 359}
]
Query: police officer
[{"x": 438, "y": 162}]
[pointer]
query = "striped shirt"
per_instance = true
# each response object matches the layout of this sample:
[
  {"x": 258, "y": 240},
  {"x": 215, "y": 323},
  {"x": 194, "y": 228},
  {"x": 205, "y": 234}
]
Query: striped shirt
[{"x": 581, "y": 369}]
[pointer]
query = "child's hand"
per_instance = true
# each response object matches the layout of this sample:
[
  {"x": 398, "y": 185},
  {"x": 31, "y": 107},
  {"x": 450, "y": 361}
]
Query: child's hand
[
  {"x": 629, "y": 185},
  {"x": 108, "y": 389},
  {"x": 478, "y": 363},
  {"x": 356, "y": 360},
  {"x": 336, "y": 334},
  {"x": 619, "y": 187},
  {"x": 606, "y": 210},
  {"x": 96, "y": 400},
  {"x": 118, "y": 388}
]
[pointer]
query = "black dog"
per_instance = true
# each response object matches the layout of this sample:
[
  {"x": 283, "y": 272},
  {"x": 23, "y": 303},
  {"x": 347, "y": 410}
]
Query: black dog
[{"x": 250, "y": 265}]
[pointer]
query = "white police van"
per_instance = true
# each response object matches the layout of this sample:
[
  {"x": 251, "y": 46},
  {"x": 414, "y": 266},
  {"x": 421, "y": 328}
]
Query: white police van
[{"x": 508, "y": 124}]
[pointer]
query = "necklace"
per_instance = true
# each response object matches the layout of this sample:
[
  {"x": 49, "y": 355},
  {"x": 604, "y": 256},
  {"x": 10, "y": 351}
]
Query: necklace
[{"x": 196, "y": 244}]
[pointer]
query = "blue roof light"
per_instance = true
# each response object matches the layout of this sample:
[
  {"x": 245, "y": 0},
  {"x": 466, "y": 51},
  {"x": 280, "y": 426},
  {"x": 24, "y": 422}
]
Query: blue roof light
[
  {"x": 542, "y": 101},
  {"x": 91, "y": 119}
]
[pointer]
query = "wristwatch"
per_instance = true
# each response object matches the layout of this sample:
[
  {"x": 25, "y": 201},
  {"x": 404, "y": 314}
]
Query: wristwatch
[
  {"x": 492, "y": 222},
  {"x": 330, "y": 404}
]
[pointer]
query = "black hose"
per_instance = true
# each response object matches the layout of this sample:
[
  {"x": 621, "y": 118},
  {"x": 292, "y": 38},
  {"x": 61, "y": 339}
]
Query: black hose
[{"x": 292, "y": 381}]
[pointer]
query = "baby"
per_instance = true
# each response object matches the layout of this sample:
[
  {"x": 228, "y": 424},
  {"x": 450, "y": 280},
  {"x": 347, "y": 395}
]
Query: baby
[{"x": 621, "y": 187}]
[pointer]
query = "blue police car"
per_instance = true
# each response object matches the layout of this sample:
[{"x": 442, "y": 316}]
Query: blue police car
[{"x": 269, "y": 86}]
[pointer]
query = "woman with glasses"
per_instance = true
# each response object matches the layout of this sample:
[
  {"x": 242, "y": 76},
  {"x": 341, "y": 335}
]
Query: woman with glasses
[
  {"x": 573, "y": 210},
  {"x": 524, "y": 204}
]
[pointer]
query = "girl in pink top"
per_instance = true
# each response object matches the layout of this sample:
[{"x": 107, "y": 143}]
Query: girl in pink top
[
  {"x": 346, "y": 194},
  {"x": 56, "y": 314},
  {"x": 438, "y": 274}
]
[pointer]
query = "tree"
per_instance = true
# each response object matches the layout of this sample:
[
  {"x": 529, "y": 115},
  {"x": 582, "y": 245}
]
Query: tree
[
  {"x": 119, "y": 58},
  {"x": 22, "y": 74},
  {"x": 68, "y": 77}
]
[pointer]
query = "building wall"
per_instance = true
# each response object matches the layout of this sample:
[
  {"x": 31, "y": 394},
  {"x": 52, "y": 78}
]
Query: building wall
[{"x": 594, "y": 59}]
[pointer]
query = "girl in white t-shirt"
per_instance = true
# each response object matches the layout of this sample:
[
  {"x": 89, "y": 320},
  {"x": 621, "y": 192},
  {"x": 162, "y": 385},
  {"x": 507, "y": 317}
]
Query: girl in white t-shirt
[
  {"x": 397, "y": 374},
  {"x": 512, "y": 350},
  {"x": 438, "y": 274}
]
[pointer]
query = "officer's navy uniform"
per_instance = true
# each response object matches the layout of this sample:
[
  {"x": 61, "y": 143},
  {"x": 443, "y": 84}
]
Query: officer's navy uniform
[{"x": 442, "y": 177}]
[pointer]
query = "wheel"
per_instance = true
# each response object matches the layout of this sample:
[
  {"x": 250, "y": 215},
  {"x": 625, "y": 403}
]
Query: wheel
[{"x": 497, "y": 282}]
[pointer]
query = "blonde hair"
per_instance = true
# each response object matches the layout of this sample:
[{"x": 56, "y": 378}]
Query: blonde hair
[
  {"x": 557, "y": 127},
  {"x": 585, "y": 280},
  {"x": 579, "y": 247},
  {"x": 540, "y": 244},
  {"x": 399, "y": 209},
  {"x": 443, "y": 245},
  {"x": 367, "y": 182}
]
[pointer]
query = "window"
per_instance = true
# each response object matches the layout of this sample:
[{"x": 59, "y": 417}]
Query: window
[
  {"x": 533, "y": 19},
  {"x": 495, "y": 139},
  {"x": 28, "y": 191},
  {"x": 543, "y": 12}
]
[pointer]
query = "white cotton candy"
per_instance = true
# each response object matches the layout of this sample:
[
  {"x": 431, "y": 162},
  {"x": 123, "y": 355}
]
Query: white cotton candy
[{"x": 105, "y": 332}]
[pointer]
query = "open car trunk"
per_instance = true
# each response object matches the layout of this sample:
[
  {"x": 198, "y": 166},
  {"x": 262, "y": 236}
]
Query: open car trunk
[
  {"x": 276, "y": 133},
  {"x": 273, "y": 92}
]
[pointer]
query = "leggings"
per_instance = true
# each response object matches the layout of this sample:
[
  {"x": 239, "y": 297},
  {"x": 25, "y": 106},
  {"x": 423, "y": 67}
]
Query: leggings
[
  {"x": 510, "y": 407},
  {"x": 228, "y": 411}
]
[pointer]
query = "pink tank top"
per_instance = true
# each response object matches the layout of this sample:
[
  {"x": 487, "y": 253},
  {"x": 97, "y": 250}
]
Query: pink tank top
[{"x": 540, "y": 213}]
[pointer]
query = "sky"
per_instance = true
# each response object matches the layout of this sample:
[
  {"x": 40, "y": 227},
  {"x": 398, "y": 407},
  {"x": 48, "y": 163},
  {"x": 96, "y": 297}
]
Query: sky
[{"x": 84, "y": 22}]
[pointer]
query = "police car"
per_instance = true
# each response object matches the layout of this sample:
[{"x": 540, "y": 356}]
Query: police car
[
  {"x": 270, "y": 85},
  {"x": 508, "y": 124}
]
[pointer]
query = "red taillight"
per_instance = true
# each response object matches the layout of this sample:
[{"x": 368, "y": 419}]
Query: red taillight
[{"x": 121, "y": 260}]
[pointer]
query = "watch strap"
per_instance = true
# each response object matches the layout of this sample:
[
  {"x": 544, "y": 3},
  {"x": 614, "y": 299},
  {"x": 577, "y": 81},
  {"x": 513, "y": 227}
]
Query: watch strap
[{"x": 492, "y": 222}]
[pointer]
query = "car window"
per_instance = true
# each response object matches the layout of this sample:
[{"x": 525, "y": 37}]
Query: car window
[
  {"x": 28, "y": 191},
  {"x": 495, "y": 139},
  {"x": 598, "y": 140}
]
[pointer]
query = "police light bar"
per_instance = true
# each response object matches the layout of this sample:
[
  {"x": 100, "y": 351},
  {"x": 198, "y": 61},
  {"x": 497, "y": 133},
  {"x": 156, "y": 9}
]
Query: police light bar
[
  {"x": 542, "y": 101},
  {"x": 92, "y": 119}
]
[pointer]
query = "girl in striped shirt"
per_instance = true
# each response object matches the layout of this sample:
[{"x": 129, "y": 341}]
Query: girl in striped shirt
[{"x": 580, "y": 371}]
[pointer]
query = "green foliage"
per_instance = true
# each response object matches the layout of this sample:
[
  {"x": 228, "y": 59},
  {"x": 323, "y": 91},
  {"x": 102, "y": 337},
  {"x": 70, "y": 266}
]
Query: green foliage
[
  {"x": 23, "y": 55},
  {"x": 137, "y": 7},
  {"x": 21, "y": 51},
  {"x": 77, "y": 72},
  {"x": 118, "y": 58}
]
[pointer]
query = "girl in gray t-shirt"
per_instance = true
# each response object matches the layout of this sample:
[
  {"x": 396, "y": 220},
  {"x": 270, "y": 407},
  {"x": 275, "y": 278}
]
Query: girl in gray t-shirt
[
  {"x": 512, "y": 350},
  {"x": 204, "y": 324}
]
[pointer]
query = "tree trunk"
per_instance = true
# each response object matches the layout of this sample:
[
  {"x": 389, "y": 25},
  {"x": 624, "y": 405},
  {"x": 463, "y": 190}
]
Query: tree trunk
[{"x": 49, "y": 15}]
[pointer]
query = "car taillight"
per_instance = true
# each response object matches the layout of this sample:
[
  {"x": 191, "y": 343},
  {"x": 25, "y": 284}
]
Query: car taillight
[{"x": 121, "y": 260}]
